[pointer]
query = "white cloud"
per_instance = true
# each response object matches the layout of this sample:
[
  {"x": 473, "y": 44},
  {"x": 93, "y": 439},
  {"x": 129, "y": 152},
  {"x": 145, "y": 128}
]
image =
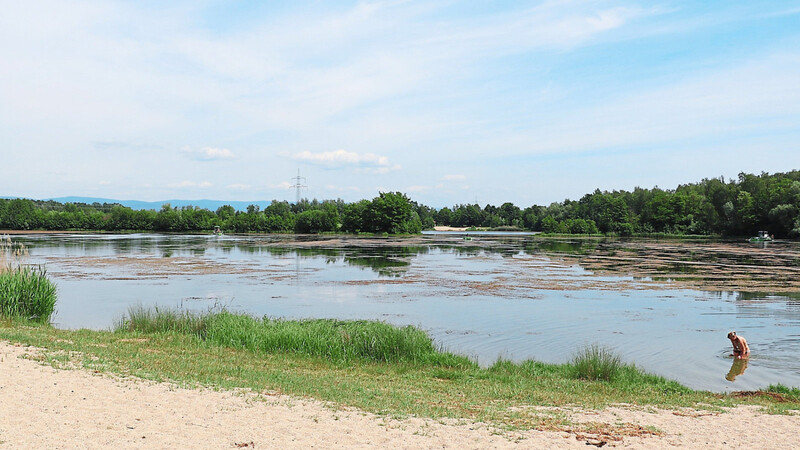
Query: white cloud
[
  {"x": 454, "y": 177},
  {"x": 117, "y": 84},
  {"x": 190, "y": 184},
  {"x": 378, "y": 170},
  {"x": 364, "y": 162},
  {"x": 209, "y": 154},
  {"x": 334, "y": 188},
  {"x": 718, "y": 105},
  {"x": 417, "y": 188},
  {"x": 281, "y": 185}
]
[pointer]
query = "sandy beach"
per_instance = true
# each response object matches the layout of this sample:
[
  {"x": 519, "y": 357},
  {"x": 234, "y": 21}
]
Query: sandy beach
[{"x": 45, "y": 407}]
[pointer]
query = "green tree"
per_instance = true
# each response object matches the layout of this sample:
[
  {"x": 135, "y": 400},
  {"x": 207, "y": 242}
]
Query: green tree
[
  {"x": 392, "y": 212},
  {"x": 549, "y": 225},
  {"x": 354, "y": 215}
]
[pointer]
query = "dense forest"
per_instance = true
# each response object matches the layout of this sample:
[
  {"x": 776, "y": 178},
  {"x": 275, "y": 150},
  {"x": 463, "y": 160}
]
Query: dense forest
[{"x": 737, "y": 207}]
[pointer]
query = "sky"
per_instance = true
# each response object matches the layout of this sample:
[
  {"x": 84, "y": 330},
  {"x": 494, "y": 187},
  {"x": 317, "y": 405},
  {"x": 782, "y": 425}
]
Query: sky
[{"x": 449, "y": 102}]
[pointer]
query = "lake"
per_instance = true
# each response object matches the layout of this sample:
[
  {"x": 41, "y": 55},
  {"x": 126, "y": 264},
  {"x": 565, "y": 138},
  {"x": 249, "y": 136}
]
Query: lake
[{"x": 485, "y": 296}]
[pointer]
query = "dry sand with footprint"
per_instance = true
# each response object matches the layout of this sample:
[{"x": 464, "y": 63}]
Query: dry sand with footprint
[{"x": 44, "y": 407}]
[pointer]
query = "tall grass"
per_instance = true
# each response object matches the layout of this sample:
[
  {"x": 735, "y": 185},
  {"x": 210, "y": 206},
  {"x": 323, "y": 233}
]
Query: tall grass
[
  {"x": 595, "y": 362},
  {"x": 156, "y": 320},
  {"x": 25, "y": 291},
  {"x": 336, "y": 340}
]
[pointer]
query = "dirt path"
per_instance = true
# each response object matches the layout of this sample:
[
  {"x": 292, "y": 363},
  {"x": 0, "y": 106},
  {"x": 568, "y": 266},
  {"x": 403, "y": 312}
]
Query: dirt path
[{"x": 47, "y": 408}]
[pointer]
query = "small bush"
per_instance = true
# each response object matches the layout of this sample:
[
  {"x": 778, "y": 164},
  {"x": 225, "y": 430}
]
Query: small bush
[{"x": 595, "y": 362}]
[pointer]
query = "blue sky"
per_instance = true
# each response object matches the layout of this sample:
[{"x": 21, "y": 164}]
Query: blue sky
[{"x": 450, "y": 102}]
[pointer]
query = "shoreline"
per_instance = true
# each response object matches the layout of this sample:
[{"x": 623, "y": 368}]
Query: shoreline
[{"x": 83, "y": 409}]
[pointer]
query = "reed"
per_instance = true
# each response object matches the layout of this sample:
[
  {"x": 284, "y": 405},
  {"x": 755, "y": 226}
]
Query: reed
[
  {"x": 25, "y": 291},
  {"x": 12, "y": 254}
]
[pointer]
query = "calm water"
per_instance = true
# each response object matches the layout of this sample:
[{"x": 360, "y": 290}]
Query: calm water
[{"x": 502, "y": 298}]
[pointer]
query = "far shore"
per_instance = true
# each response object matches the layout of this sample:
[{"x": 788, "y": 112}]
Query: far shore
[{"x": 14, "y": 232}]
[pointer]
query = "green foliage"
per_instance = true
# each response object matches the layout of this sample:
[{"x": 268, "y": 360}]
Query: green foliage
[
  {"x": 596, "y": 363},
  {"x": 712, "y": 206},
  {"x": 392, "y": 212},
  {"x": 549, "y": 225},
  {"x": 354, "y": 215},
  {"x": 311, "y": 221}
]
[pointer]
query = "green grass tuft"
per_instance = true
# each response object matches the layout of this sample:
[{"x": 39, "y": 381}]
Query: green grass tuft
[
  {"x": 791, "y": 393},
  {"x": 595, "y": 362},
  {"x": 26, "y": 292},
  {"x": 157, "y": 320}
]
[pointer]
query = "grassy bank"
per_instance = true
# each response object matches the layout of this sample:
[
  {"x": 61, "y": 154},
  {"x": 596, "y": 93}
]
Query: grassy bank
[
  {"x": 335, "y": 340},
  {"x": 406, "y": 376}
]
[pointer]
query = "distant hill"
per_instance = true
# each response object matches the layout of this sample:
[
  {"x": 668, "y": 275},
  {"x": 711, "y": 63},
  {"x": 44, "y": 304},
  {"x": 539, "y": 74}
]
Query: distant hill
[{"x": 138, "y": 205}]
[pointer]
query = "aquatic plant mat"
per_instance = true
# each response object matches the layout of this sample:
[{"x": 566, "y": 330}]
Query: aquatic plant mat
[
  {"x": 547, "y": 263},
  {"x": 508, "y": 398},
  {"x": 704, "y": 265}
]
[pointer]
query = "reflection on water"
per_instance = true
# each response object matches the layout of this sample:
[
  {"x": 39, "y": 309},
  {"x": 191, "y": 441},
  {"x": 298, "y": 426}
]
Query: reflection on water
[
  {"x": 737, "y": 368},
  {"x": 494, "y": 296}
]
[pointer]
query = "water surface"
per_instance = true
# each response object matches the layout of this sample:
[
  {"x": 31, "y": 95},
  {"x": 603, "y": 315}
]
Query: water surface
[{"x": 491, "y": 297}]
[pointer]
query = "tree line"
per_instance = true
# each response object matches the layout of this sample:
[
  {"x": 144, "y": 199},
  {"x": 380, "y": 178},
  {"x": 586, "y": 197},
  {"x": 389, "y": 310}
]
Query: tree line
[
  {"x": 389, "y": 212},
  {"x": 712, "y": 206}
]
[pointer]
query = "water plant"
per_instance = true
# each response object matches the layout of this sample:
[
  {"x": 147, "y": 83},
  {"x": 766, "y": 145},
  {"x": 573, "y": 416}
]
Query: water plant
[
  {"x": 25, "y": 291},
  {"x": 595, "y": 362}
]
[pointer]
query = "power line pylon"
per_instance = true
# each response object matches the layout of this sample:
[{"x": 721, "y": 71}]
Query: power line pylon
[{"x": 298, "y": 185}]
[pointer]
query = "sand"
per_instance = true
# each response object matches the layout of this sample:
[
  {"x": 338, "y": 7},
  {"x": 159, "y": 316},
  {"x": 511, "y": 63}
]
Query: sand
[{"x": 42, "y": 407}]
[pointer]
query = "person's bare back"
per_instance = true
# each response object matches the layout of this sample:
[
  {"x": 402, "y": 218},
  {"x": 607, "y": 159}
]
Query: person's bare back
[{"x": 740, "y": 347}]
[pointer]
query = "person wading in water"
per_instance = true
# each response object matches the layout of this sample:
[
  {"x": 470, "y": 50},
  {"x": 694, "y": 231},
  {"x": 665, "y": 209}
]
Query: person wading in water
[{"x": 740, "y": 348}]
